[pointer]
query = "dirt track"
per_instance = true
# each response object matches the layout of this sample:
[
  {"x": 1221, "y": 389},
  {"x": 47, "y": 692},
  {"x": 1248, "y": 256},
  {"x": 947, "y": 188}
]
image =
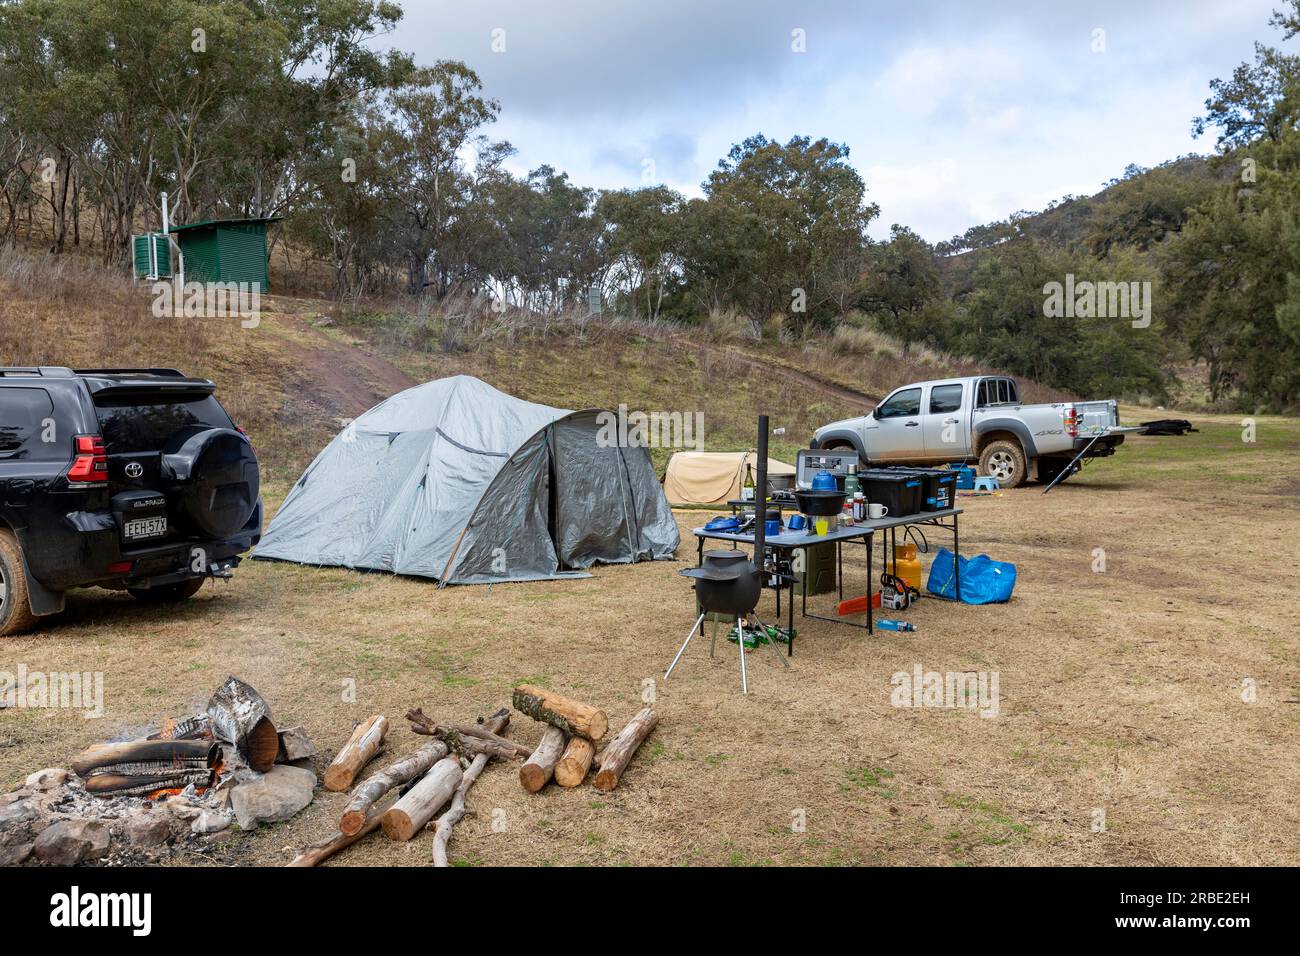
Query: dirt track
[{"x": 340, "y": 374}]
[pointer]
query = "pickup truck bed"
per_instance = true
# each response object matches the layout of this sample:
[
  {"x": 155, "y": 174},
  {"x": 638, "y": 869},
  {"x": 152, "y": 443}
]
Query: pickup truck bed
[{"x": 979, "y": 418}]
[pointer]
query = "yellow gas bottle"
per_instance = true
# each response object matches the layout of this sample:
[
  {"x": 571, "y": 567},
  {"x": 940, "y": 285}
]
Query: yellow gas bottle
[{"x": 906, "y": 566}]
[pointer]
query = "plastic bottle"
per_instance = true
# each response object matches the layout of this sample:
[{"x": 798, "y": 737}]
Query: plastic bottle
[{"x": 889, "y": 624}]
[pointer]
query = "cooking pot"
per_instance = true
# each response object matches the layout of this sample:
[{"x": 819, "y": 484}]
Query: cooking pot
[{"x": 820, "y": 503}]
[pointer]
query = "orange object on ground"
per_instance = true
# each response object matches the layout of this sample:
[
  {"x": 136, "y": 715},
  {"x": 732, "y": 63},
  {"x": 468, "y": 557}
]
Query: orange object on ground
[{"x": 858, "y": 605}]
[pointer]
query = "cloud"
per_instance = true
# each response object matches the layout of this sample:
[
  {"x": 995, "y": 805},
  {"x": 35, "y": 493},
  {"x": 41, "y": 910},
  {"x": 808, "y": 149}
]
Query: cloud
[{"x": 954, "y": 114}]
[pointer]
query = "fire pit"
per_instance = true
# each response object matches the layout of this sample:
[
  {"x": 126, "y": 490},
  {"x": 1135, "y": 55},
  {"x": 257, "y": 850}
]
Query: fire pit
[{"x": 130, "y": 800}]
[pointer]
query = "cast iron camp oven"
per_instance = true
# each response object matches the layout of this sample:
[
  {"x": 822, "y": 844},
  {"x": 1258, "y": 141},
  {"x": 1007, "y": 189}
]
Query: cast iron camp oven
[
  {"x": 730, "y": 582},
  {"x": 726, "y": 583},
  {"x": 820, "y": 503}
]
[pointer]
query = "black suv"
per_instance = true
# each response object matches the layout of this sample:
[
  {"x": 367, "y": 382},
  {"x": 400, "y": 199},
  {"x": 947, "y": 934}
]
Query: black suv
[{"x": 131, "y": 479}]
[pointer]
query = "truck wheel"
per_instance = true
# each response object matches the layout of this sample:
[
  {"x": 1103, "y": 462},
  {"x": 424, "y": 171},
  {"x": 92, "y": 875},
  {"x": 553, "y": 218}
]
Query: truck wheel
[
  {"x": 842, "y": 446},
  {"x": 168, "y": 593},
  {"x": 15, "y": 613},
  {"x": 1004, "y": 461}
]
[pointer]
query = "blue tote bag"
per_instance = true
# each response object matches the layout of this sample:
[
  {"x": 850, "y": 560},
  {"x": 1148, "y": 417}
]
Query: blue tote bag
[{"x": 983, "y": 580}]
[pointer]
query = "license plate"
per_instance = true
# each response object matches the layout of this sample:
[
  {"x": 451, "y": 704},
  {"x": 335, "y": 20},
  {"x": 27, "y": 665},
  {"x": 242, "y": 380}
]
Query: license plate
[{"x": 138, "y": 528}]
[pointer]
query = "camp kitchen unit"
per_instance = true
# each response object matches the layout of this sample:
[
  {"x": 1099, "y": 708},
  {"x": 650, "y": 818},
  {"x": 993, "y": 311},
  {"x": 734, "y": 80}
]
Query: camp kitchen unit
[
  {"x": 788, "y": 544},
  {"x": 809, "y": 544}
]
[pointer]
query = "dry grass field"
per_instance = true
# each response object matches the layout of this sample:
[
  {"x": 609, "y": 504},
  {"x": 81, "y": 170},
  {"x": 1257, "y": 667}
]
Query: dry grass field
[{"x": 1120, "y": 691}]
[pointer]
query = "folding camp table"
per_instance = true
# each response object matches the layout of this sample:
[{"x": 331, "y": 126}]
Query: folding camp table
[{"x": 791, "y": 541}]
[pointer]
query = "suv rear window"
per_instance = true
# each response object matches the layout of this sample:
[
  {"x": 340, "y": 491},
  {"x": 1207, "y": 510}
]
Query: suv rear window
[{"x": 129, "y": 423}]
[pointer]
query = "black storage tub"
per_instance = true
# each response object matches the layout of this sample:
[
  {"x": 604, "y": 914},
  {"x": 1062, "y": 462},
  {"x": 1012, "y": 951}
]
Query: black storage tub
[
  {"x": 938, "y": 486},
  {"x": 900, "y": 493}
]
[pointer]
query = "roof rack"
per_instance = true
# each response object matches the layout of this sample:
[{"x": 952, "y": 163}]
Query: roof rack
[
  {"x": 26, "y": 370},
  {"x": 168, "y": 372}
]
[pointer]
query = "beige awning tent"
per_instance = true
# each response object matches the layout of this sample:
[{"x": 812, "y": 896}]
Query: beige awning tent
[{"x": 712, "y": 478}]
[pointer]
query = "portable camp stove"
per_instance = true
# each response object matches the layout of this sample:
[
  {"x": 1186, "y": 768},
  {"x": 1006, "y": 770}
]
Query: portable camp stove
[{"x": 729, "y": 583}]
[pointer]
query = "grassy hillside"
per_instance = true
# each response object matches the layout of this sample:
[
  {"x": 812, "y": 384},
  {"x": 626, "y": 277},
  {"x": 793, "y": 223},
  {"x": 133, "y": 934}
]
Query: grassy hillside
[{"x": 296, "y": 378}]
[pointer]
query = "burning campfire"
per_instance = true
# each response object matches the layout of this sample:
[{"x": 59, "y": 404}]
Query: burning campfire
[
  {"x": 149, "y": 767},
  {"x": 193, "y": 777},
  {"x": 189, "y": 752}
]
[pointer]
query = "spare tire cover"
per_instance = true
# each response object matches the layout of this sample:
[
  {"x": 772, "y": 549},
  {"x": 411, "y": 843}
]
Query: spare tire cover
[{"x": 214, "y": 480}]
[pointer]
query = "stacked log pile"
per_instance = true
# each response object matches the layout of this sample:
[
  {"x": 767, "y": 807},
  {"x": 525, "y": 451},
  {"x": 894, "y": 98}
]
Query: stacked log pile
[
  {"x": 438, "y": 775},
  {"x": 568, "y": 749}
]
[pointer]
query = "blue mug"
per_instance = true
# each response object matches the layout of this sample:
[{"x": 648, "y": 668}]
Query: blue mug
[
  {"x": 773, "y": 527},
  {"x": 798, "y": 522}
]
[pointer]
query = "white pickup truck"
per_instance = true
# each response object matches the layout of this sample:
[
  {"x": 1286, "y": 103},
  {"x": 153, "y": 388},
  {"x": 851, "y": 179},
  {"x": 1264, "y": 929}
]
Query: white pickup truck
[{"x": 959, "y": 419}]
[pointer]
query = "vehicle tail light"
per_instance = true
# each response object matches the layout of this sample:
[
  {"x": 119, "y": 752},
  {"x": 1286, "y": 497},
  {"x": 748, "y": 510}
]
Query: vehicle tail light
[
  {"x": 1071, "y": 422},
  {"x": 121, "y": 567},
  {"x": 240, "y": 429},
  {"x": 90, "y": 463}
]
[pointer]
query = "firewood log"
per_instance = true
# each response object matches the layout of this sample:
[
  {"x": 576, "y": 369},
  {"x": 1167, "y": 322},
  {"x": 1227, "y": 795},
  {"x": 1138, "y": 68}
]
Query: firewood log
[
  {"x": 140, "y": 755},
  {"x": 241, "y": 716},
  {"x": 471, "y": 747},
  {"x": 490, "y": 743},
  {"x": 538, "y": 769},
  {"x": 371, "y": 790},
  {"x": 405, "y": 818},
  {"x": 361, "y": 747},
  {"x": 120, "y": 785},
  {"x": 326, "y": 848},
  {"x": 575, "y": 762},
  {"x": 443, "y": 825},
  {"x": 571, "y": 716},
  {"x": 614, "y": 758}
]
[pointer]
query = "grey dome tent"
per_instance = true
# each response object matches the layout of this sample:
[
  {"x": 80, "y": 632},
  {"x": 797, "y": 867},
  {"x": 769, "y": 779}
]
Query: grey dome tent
[{"x": 457, "y": 481}]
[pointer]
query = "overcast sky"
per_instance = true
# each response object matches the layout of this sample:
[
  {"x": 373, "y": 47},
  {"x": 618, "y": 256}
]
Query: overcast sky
[{"x": 955, "y": 113}]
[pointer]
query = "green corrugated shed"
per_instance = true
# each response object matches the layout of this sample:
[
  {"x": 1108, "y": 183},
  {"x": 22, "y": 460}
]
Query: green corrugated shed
[{"x": 225, "y": 250}]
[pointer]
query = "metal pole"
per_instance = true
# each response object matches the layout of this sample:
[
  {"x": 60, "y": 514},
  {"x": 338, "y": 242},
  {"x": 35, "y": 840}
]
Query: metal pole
[
  {"x": 1061, "y": 475},
  {"x": 740, "y": 630},
  {"x": 775, "y": 650},
  {"x": 683, "y": 647}
]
